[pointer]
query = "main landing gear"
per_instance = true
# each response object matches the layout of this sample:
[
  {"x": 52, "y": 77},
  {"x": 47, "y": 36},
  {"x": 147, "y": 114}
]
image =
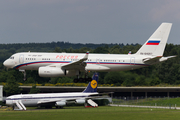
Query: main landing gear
[
  {"x": 85, "y": 79},
  {"x": 24, "y": 72},
  {"x": 76, "y": 80}
]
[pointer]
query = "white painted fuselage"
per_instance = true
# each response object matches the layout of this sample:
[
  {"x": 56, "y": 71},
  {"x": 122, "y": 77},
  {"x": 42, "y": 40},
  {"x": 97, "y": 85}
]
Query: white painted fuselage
[
  {"x": 39, "y": 99},
  {"x": 95, "y": 62}
]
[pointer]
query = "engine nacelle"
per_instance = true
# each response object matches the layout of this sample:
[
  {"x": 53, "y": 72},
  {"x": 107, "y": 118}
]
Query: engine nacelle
[
  {"x": 80, "y": 101},
  {"x": 55, "y": 72},
  {"x": 51, "y": 72},
  {"x": 60, "y": 104}
]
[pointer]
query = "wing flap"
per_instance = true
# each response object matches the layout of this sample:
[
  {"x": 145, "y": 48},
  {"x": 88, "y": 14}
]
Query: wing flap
[
  {"x": 79, "y": 64},
  {"x": 46, "y": 101},
  {"x": 54, "y": 101}
]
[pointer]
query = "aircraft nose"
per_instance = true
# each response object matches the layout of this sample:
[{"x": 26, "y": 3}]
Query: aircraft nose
[{"x": 7, "y": 63}]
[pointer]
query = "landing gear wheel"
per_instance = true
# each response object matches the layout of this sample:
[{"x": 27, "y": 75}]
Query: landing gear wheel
[
  {"x": 76, "y": 80},
  {"x": 82, "y": 80},
  {"x": 59, "y": 107},
  {"x": 89, "y": 79},
  {"x": 24, "y": 72}
]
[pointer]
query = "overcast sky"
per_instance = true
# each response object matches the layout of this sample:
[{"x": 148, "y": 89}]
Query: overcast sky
[{"x": 86, "y": 21}]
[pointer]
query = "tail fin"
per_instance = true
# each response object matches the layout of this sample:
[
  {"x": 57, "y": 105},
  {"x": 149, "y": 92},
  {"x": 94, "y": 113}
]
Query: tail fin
[
  {"x": 92, "y": 86},
  {"x": 156, "y": 43}
]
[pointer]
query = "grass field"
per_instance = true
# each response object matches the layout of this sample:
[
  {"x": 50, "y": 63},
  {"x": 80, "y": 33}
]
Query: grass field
[
  {"x": 150, "y": 102},
  {"x": 100, "y": 113}
]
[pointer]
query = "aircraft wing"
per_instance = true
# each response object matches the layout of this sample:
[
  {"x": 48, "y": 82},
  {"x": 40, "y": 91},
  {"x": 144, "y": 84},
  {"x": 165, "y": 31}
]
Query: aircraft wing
[
  {"x": 80, "y": 64},
  {"x": 54, "y": 101},
  {"x": 46, "y": 101}
]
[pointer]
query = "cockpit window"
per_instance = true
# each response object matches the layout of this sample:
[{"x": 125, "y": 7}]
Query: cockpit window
[{"x": 12, "y": 57}]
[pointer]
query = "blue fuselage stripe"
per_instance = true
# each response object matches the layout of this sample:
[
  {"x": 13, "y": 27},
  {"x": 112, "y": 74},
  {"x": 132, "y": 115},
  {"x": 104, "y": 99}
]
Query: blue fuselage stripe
[
  {"x": 44, "y": 97},
  {"x": 101, "y": 63}
]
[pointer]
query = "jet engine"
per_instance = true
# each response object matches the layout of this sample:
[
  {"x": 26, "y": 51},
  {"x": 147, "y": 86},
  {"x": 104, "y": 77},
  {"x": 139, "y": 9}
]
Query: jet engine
[
  {"x": 56, "y": 72},
  {"x": 82, "y": 101},
  {"x": 60, "y": 103}
]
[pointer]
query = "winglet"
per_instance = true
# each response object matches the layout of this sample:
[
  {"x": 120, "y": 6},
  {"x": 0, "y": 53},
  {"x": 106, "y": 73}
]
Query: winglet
[
  {"x": 92, "y": 86},
  {"x": 86, "y": 56}
]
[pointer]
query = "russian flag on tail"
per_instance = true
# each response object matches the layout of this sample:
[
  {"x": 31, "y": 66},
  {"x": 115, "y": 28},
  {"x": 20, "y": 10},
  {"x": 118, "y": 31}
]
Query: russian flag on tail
[{"x": 153, "y": 42}]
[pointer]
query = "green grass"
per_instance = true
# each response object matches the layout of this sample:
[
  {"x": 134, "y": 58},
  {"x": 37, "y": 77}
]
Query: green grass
[
  {"x": 100, "y": 113},
  {"x": 151, "y": 102}
]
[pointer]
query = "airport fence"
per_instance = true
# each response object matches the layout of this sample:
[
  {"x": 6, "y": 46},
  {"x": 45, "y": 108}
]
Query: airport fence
[{"x": 169, "y": 102}]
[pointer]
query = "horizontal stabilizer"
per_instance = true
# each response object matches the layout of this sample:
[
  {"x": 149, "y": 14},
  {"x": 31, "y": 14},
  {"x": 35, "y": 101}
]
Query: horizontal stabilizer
[
  {"x": 156, "y": 59},
  {"x": 151, "y": 59},
  {"x": 166, "y": 58}
]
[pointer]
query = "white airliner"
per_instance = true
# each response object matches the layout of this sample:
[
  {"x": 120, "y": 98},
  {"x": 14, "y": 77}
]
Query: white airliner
[
  {"x": 56, "y": 99},
  {"x": 70, "y": 64}
]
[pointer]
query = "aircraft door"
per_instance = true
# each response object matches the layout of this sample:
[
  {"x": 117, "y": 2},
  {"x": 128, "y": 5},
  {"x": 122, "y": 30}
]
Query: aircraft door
[
  {"x": 97, "y": 61},
  {"x": 21, "y": 58},
  {"x": 132, "y": 62}
]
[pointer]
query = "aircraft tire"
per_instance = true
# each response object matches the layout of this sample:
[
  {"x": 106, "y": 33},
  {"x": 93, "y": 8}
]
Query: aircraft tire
[
  {"x": 76, "y": 80},
  {"x": 88, "y": 80},
  {"x": 81, "y": 80},
  {"x": 59, "y": 107}
]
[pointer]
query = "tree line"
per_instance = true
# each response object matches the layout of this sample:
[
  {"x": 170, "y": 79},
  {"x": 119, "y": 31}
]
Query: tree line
[{"x": 8, "y": 49}]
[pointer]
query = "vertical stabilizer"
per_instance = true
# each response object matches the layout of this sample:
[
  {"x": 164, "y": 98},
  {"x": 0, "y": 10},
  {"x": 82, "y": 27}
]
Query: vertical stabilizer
[
  {"x": 155, "y": 45},
  {"x": 92, "y": 86}
]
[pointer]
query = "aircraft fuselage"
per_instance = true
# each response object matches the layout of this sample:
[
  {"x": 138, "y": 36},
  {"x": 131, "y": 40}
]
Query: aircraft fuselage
[{"x": 95, "y": 62}]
